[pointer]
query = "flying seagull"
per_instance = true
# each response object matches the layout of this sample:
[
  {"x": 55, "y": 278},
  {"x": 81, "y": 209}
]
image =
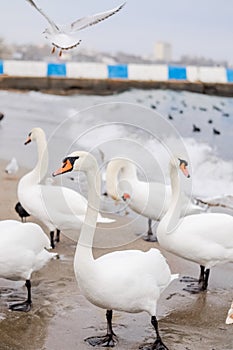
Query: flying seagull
[{"x": 64, "y": 37}]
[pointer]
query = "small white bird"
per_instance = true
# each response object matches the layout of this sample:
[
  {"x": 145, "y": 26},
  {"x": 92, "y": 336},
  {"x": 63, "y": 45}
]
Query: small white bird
[
  {"x": 64, "y": 37},
  {"x": 12, "y": 167},
  {"x": 229, "y": 319}
]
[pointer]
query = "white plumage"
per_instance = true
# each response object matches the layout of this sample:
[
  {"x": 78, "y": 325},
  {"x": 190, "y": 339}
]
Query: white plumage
[
  {"x": 23, "y": 250},
  {"x": 64, "y": 37},
  {"x": 12, "y": 167},
  {"x": 130, "y": 280},
  {"x": 150, "y": 199},
  {"x": 206, "y": 238},
  {"x": 58, "y": 207},
  {"x": 229, "y": 319}
]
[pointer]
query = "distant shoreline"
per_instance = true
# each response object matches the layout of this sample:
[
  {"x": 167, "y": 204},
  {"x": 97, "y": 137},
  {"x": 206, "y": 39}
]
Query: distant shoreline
[{"x": 70, "y": 86}]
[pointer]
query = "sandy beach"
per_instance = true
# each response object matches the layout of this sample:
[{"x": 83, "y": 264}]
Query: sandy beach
[{"x": 61, "y": 318}]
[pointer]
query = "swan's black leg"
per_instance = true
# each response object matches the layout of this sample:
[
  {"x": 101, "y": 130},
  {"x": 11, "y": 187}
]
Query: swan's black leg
[
  {"x": 205, "y": 283},
  {"x": 58, "y": 236},
  {"x": 26, "y": 305},
  {"x": 150, "y": 237},
  {"x": 158, "y": 344},
  {"x": 108, "y": 340},
  {"x": 52, "y": 239},
  {"x": 202, "y": 282}
]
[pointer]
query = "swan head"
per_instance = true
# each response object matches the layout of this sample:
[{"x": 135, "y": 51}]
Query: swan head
[
  {"x": 77, "y": 161},
  {"x": 181, "y": 164},
  {"x": 34, "y": 134}
]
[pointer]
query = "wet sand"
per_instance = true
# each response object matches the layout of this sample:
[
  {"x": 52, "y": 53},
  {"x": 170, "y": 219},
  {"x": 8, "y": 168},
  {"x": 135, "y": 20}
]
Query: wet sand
[{"x": 61, "y": 318}]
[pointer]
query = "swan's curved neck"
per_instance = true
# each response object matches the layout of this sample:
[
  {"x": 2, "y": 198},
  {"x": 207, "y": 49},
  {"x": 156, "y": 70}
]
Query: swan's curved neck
[
  {"x": 40, "y": 170},
  {"x": 84, "y": 255},
  {"x": 171, "y": 218},
  {"x": 120, "y": 170}
]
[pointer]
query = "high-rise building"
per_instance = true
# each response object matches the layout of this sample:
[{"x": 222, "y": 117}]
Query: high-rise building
[{"x": 163, "y": 51}]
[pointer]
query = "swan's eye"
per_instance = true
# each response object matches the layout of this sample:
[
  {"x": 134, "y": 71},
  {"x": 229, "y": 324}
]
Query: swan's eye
[
  {"x": 183, "y": 162},
  {"x": 30, "y": 134}
]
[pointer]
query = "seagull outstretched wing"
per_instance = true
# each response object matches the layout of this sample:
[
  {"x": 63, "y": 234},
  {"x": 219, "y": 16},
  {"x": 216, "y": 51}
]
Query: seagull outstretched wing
[
  {"x": 87, "y": 21},
  {"x": 53, "y": 25}
]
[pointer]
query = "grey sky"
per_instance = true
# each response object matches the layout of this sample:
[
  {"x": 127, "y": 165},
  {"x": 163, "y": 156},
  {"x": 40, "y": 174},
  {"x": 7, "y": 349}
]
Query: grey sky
[{"x": 195, "y": 27}]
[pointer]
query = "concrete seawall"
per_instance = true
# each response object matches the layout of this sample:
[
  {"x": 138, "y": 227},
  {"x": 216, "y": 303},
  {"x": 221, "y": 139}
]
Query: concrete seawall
[{"x": 68, "y": 86}]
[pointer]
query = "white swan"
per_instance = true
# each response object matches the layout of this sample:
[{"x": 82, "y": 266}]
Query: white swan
[
  {"x": 150, "y": 199},
  {"x": 206, "y": 238},
  {"x": 58, "y": 207},
  {"x": 229, "y": 319},
  {"x": 64, "y": 37},
  {"x": 22, "y": 251},
  {"x": 130, "y": 280}
]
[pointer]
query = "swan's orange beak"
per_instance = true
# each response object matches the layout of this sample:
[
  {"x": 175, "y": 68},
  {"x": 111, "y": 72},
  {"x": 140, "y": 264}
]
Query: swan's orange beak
[
  {"x": 125, "y": 196},
  {"x": 184, "y": 170},
  {"x": 66, "y": 167},
  {"x": 28, "y": 140}
]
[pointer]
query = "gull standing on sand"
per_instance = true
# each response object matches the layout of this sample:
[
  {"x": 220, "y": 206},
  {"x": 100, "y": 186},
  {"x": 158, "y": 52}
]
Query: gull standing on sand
[
  {"x": 64, "y": 37},
  {"x": 12, "y": 167}
]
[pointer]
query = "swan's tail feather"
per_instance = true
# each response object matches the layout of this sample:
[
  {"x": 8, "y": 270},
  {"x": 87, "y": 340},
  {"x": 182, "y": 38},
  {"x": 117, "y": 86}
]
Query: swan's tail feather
[
  {"x": 229, "y": 319},
  {"x": 174, "y": 276}
]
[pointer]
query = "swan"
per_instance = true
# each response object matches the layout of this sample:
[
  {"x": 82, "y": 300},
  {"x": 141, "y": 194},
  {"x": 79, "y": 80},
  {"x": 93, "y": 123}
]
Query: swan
[
  {"x": 229, "y": 319},
  {"x": 58, "y": 207},
  {"x": 205, "y": 238},
  {"x": 64, "y": 37},
  {"x": 129, "y": 280},
  {"x": 150, "y": 199},
  {"x": 23, "y": 250}
]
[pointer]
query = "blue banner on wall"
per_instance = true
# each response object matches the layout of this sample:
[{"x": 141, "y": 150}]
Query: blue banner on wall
[
  {"x": 118, "y": 71},
  {"x": 57, "y": 69},
  {"x": 229, "y": 75},
  {"x": 178, "y": 73},
  {"x": 1, "y": 67}
]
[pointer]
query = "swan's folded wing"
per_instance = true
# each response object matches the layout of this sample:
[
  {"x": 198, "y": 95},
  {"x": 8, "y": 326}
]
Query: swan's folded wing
[{"x": 93, "y": 19}]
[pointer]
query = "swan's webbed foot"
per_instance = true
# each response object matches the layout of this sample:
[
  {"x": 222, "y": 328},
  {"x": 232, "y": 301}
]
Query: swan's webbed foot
[
  {"x": 108, "y": 340},
  {"x": 202, "y": 281},
  {"x": 188, "y": 279},
  {"x": 195, "y": 289},
  {"x": 150, "y": 238},
  {"x": 158, "y": 345},
  {"x": 24, "y": 306}
]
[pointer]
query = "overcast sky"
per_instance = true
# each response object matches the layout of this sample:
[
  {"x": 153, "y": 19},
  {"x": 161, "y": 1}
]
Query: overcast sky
[{"x": 194, "y": 27}]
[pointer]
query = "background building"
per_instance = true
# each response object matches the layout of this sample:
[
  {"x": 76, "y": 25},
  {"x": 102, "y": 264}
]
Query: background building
[{"x": 163, "y": 51}]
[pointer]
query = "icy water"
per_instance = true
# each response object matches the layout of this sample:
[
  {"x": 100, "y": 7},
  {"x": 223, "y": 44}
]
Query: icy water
[
  {"x": 129, "y": 124},
  {"x": 144, "y": 126}
]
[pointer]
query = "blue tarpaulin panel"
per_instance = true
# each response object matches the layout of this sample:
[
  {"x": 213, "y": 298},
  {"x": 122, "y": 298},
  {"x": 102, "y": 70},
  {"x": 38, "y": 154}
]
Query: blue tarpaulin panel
[
  {"x": 178, "y": 73},
  {"x": 1, "y": 67},
  {"x": 230, "y": 75},
  {"x": 58, "y": 69},
  {"x": 118, "y": 71}
]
